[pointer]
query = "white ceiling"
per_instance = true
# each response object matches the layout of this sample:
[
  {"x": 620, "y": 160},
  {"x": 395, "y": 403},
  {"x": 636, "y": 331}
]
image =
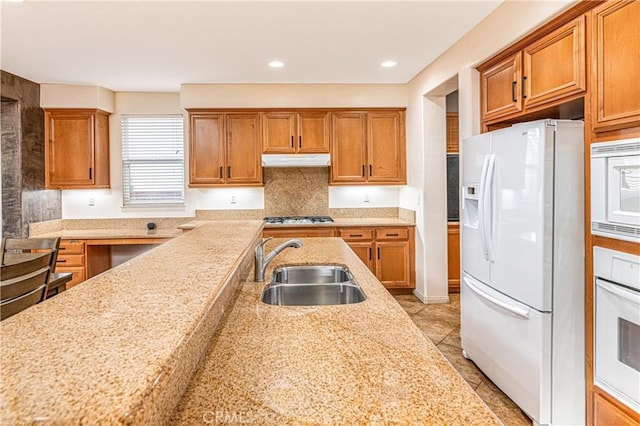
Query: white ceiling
[{"x": 157, "y": 45}]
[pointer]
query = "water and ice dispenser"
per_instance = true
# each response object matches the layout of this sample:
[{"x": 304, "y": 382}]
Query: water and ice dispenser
[{"x": 470, "y": 205}]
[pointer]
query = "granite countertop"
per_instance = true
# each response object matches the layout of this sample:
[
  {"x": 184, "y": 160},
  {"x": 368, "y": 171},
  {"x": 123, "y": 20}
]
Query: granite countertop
[
  {"x": 106, "y": 234},
  {"x": 348, "y": 221},
  {"x": 363, "y": 363},
  {"x": 122, "y": 347}
]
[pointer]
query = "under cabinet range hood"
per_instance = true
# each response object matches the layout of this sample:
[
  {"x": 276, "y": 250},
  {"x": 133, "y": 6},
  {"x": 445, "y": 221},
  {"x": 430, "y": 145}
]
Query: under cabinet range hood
[{"x": 296, "y": 160}]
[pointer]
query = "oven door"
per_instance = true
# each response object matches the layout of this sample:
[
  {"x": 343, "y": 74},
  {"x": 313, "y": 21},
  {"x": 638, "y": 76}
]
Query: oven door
[
  {"x": 617, "y": 337},
  {"x": 623, "y": 204}
]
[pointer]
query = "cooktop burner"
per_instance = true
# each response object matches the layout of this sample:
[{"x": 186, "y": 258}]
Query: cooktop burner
[{"x": 302, "y": 220}]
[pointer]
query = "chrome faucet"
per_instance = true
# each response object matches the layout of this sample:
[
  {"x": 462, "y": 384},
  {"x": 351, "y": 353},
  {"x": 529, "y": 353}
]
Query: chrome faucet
[{"x": 261, "y": 261}]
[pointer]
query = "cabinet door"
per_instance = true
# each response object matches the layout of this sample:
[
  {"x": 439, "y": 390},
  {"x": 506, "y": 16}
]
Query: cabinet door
[
  {"x": 453, "y": 257},
  {"x": 206, "y": 153},
  {"x": 555, "y": 65},
  {"x": 298, "y": 232},
  {"x": 364, "y": 251},
  {"x": 279, "y": 132},
  {"x": 348, "y": 152},
  {"x": 313, "y": 132},
  {"x": 617, "y": 55},
  {"x": 453, "y": 133},
  {"x": 385, "y": 147},
  {"x": 393, "y": 263},
  {"x": 69, "y": 151},
  {"x": 77, "y": 277},
  {"x": 243, "y": 148},
  {"x": 606, "y": 413},
  {"x": 500, "y": 88}
]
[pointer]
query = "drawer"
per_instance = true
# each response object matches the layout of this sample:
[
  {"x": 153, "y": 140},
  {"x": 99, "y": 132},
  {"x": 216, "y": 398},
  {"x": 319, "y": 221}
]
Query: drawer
[
  {"x": 78, "y": 275},
  {"x": 71, "y": 247},
  {"x": 297, "y": 232},
  {"x": 70, "y": 260},
  {"x": 383, "y": 234},
  {"x": 356, "y": 234}
]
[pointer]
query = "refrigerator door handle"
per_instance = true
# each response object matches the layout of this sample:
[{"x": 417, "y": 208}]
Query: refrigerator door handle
[
  {"x": 481, "y": 208},
  {"x": 486, "y": 208},
  {"x": 515, "y": 310}
]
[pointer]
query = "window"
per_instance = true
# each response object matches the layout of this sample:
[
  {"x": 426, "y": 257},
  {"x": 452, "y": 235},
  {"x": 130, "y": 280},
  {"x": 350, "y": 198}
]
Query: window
[{"x": 152, "y": 160}]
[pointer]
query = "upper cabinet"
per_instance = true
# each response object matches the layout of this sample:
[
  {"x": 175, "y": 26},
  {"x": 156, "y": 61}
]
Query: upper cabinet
[
  {"x": 225, "y": 149},
  {"x": 76, "y": 149},
  {"x": 368, "y": 148},
  {"x": 295, "y": 132},
  {"x": 616, "y": 51},
  {"x": 548, "y": 71}
]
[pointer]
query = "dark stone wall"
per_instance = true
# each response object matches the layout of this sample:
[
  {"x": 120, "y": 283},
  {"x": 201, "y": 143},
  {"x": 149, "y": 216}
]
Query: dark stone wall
[{"x": 24, "y": 198}]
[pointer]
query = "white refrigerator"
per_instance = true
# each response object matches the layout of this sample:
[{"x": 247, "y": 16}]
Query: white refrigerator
[{"x": 522, "y": 248}]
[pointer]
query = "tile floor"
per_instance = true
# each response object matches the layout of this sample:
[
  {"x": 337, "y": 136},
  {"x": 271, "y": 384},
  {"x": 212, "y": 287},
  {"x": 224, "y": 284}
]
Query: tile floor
[{"x": 441, "y": 324}]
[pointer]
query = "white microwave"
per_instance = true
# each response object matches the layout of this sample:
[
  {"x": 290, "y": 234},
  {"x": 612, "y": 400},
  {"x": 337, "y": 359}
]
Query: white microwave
[{"x": 615, "y": 189}]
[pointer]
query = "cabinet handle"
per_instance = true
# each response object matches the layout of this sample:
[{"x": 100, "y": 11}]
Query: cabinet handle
[
  {"x": 513, "y": 91},
  {"x": 392, "y": 235},
  {"x": 300, "y": 141},
  {"x": 370, "y": 253},
  {"x": 291, "y": 141},
  {"x": 363, "y": 170},
  {"x": 90, "y": 173},
  {"x": 370, "y": 170},
  {"x": 61, "y": 260},
  {"x": 378, "y": 253},
  {"x": 229, "y": 172},
  {"x": 62, "y": 248},
  {"x": 524, "y": 82},
  {"x": 220, "y": 172},
  {"x": 355, "y": 235}
]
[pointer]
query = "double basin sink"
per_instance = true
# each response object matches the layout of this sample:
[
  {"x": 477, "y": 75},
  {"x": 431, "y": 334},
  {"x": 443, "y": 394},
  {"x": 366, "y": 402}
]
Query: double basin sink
[{"x": 312, "y": 285}]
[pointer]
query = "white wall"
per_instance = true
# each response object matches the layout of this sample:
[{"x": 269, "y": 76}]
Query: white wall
[{"x": 426, "y": 127}]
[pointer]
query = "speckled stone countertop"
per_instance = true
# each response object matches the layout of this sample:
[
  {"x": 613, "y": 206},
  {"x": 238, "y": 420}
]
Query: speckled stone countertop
[
  {"x": 364, "y": 363},
  {"x": 107, "y": 234},
  {"x": 348, "y": 221},
  {"x": 122, "y": 347}
]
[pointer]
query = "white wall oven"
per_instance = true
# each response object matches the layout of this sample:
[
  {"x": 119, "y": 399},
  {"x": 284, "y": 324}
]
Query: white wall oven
[
  {"x": 617, "y": 325},
  {"x": 615, "y": 189}
]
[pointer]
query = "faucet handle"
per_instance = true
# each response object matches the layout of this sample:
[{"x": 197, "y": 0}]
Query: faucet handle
[{"x": 265, "y": 241}]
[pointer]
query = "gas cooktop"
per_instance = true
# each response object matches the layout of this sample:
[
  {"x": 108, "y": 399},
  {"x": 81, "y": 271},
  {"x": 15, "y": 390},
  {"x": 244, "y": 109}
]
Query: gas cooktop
[{"x": 302, "y": 220}]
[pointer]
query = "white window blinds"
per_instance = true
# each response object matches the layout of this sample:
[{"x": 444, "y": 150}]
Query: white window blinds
[{"x": 152, "y": 160}]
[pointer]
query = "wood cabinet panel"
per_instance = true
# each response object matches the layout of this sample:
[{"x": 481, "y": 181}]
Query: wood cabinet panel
[
  {"x": 77, "y": 277},
  {"x": 348, "y": 147},
  {"x": 453, "y": 256},
  {"x": 555, "y": 65},
  {"x": 279, "y": 132},
  {"x": 297, "y": 232},
  {"x": 606, "y": 413},
  {"x": 356, "y": 234},
  {"x": 313, "y": 132},
  {"x": 386, "y": 234},
  {"x": 70, "y": 260},
  {"x": 616, "y": 50},
  {"x": 453, "y": 133},
  {"x": 364, "y": 250},
  {"x": 70, "y": 247},
  {"x": 243, "y": 148},
  {"x": 386, "y": 147},
  {"x": 76, "y": 149},
  {"x": 206, "y": 153},
  {"x": 393, "y": 263},
  {"x": 500, "y": 88}
]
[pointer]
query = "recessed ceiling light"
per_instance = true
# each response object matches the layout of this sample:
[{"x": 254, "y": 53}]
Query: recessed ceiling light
[
  {"x": 276, "y": 64},
  {"x": 388, "y": 64}
]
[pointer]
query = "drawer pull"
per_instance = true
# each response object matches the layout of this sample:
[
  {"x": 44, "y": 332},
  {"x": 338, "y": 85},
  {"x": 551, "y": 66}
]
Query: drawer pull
[
  {"x": 62, "y": 248},
  {"x": 393, "y": 235},
  {"x": 61, "y": 260},
  {"x": 355, "y": 235}
]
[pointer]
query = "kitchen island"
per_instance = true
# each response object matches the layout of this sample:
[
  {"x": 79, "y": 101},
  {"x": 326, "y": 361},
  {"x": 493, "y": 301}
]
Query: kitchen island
[
  {"x": 123, "y": 347},
  {"x": 364, "y": 363}
]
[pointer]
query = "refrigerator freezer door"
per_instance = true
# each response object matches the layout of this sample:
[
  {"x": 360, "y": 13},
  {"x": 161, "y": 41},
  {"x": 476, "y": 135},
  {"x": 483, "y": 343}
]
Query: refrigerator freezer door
[
  {"x": 522, "y": 214},
  {"x": 474, "y": 255},
  {"x": 510, "y": 343}
]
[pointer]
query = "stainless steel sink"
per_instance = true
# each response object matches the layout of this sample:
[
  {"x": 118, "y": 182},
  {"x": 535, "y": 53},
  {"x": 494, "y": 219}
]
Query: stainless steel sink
[{"x": 312, "y": 286}]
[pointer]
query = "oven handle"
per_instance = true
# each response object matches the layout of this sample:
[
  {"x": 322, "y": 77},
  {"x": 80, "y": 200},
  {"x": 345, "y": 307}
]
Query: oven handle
[
  {"x": 629, "y": 295},
  {"x": 515, "y": 310}
]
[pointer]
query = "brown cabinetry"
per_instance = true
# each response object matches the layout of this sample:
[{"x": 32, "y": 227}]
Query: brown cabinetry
[
  {"x": 295, "y": 132},
  {"x": 76, "y": 149},
  {"x": 225, "y": 149},
  {"x": 453, "y": 256},
  {"x": 453, "y": 133},
  {"x": 297, "y": 232},
  {"x": 71, "y": 258},
  {"x": 387, "y": 251},
  {"x": 616, "y": 50},
  {"x": 546, "y": 72},
  {"x": 608, "y": 414},
  {"x": 368, "y": 147}
]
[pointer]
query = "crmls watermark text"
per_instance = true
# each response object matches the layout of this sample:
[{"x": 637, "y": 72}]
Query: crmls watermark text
[{"x": 223, "y": 417}]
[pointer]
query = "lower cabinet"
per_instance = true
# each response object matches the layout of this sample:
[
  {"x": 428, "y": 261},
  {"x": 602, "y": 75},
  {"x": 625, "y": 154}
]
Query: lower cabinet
[
  {"x": 453, "y": 256},
  {"x": 387, "y": 251},
  {"x": 71, "y": 258},
  {"x": 297, "y": 232},
  {"x": 608, "y": 413}
]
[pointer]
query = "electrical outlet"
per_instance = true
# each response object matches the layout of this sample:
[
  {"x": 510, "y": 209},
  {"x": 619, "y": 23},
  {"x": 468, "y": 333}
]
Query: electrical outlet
[
  {"x": 418, "y": 200},
  {"x": 92, "y": 201},
  {"x": 366, "y": 198},
  {"x": 233, "y": 199}
]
